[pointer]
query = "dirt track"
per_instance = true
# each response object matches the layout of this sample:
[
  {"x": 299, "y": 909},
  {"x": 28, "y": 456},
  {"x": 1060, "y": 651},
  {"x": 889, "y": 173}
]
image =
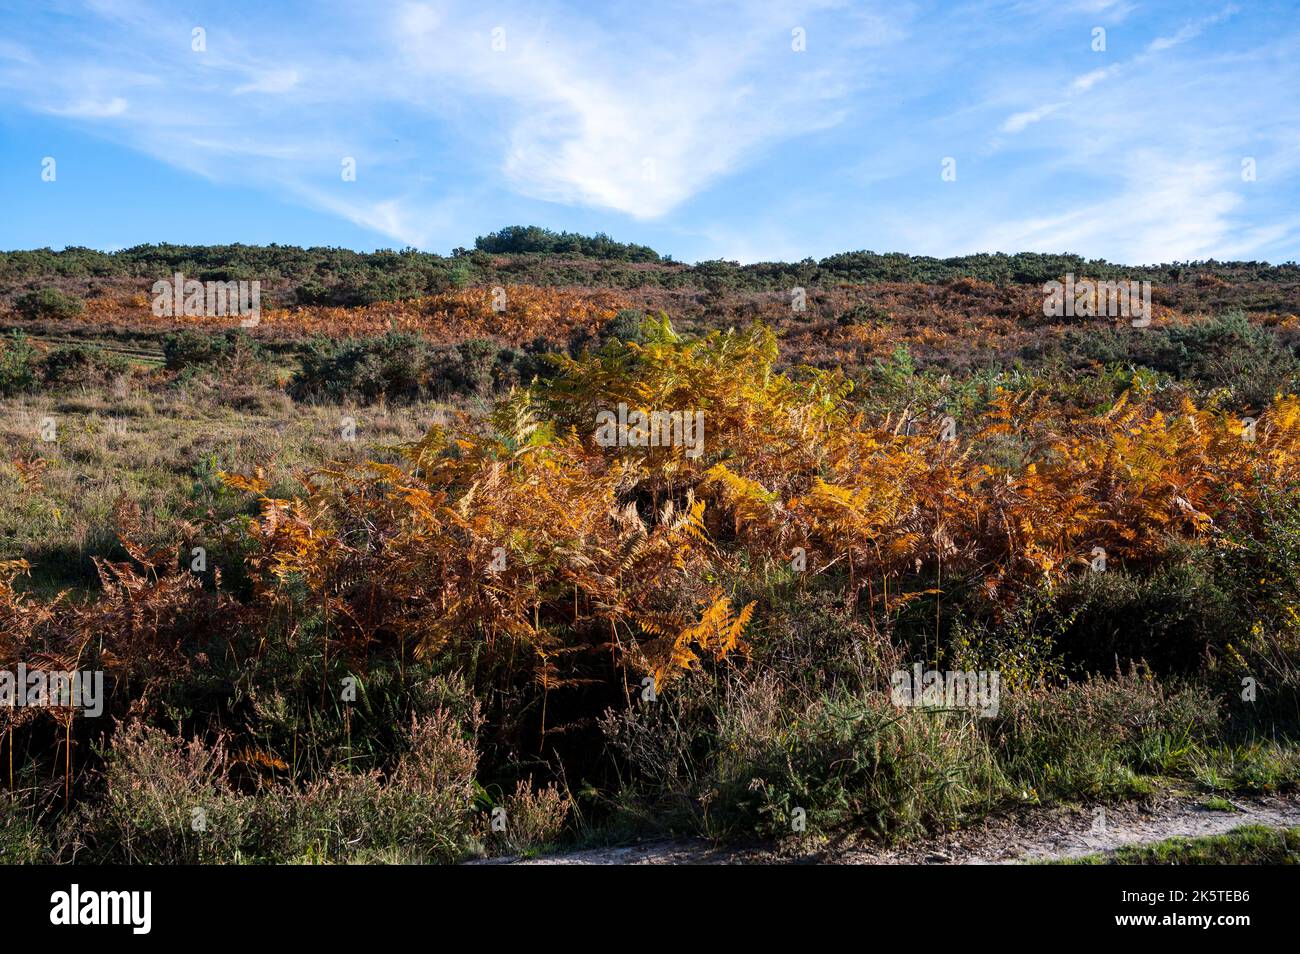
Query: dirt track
[{"x": 1033, "y": 836}]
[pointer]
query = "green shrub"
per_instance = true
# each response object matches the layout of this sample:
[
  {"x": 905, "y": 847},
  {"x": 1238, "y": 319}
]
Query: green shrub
[
  {"x": 533, "y": 239},
  {"x": 470, "y": 368},
  {"x": 519, "y": 366},
  {"x": 1226, "y": 351},
  {"x": 18, "y": 365},
  {"x": 626, "y": 326},
  {"x": 1168, "y": 617},
  {"x": 858, "y": 761},
  {"x": 83, "y": 364},
  {"x": 1021, "y": 644},
  {"x": 1260, "y": 565},
  {"x": 22, "y": 842},
  {"x": 395, "y": 367},
  {"x": 736, "y": 756},
  {"x": 864, "y": 314},
  {"x": 739, "y": 759},
  {"x": 401, "y": 367},
  {"x": 49, "y": 303},
  {"x": 187, "y": 349},
  {"x": 361, "y": 289}
]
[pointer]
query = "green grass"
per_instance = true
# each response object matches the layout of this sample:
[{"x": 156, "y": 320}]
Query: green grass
[
  {"x": 1247, "y": 845},
  {"x": 163, "y": 451},
  {"x": 1216, "y": 804}
]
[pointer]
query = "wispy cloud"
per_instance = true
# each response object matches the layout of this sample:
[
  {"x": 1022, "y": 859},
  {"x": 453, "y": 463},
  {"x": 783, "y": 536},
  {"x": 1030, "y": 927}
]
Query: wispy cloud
[
  {"x": 1083, "y": 83},
  {"x": 1018, "y": 121},
  {"x": 273, "y": 81},
  {"x": 602, "y": 118},
  {"x": 738, "y": 129},
  {"x": 1189, "y": 31},
  {"x": 1087, "y": 81},
  {"x": 634, "y": 115},
  {"x": 90, "y": 108},
  {"x": 1164, "y": 211}
]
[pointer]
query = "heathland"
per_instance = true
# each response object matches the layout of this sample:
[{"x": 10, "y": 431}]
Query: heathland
[{"x": 363, "y": 583}]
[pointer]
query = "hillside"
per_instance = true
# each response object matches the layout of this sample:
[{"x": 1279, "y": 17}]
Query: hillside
[{"x": 560, "y": 531}]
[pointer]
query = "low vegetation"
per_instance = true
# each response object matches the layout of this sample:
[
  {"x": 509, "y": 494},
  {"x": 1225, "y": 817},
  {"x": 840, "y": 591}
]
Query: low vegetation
[
  {"x": 1247, "y": 845},
  {"x": 370, "y": 583}
]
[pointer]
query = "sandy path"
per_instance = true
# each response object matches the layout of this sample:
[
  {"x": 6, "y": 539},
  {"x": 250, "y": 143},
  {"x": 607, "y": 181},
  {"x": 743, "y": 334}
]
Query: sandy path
[{"x": 1032, "y": 836}]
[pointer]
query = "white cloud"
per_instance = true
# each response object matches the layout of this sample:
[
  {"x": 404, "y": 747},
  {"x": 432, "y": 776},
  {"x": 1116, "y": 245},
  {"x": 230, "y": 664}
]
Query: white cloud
[
  {"x": 91, "y": 108},
  {"x": 1019, "y": 121},
  {"x": 613, "y": 121},
  {"x": 1083, "y": 83},
  {"x": 653, "y": 113},
  {"x": 1088, "y": 80},
  {"x": 273, "y": 81},
  {"x": 408, "y": 221},
  {"x": 1189, "y": 31},
  {"x": 633, "y": 114},
  {"x": 1163, "y": 209}
]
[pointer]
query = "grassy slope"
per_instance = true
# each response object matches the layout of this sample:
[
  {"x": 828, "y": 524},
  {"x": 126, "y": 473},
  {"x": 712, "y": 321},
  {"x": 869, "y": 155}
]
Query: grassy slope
[{"x": 1247, "y": 845}]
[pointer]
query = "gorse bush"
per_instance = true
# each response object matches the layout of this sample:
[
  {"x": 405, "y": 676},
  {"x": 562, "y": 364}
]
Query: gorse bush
[
  {"x": 81, "y": 364},
  {"x": 400, "y": 367},
  {"x": 188, "y": 349},
  {"x": 864, "y": 315},
  {"x": 1169, "y": 617},
  {"x": 19, "y": 365},
  {"x": 48, "y": 303},
  {"x": 1260, "y": 566},
  {"x": 546, "y": 254},
  {"x": 628, "y": 326},
  {"x": 23, "y": 368},
  {"x": 1227, "y": 352},
  {"x": 396, "y": 367},
  {"x": 354, "y": 291}
]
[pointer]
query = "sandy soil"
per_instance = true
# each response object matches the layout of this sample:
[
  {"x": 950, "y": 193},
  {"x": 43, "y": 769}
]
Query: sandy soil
[{"x": 1033, "y": 835}]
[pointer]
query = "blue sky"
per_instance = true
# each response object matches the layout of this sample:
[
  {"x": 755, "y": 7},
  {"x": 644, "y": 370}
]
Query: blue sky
[{"x": 696, "y": 128}]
